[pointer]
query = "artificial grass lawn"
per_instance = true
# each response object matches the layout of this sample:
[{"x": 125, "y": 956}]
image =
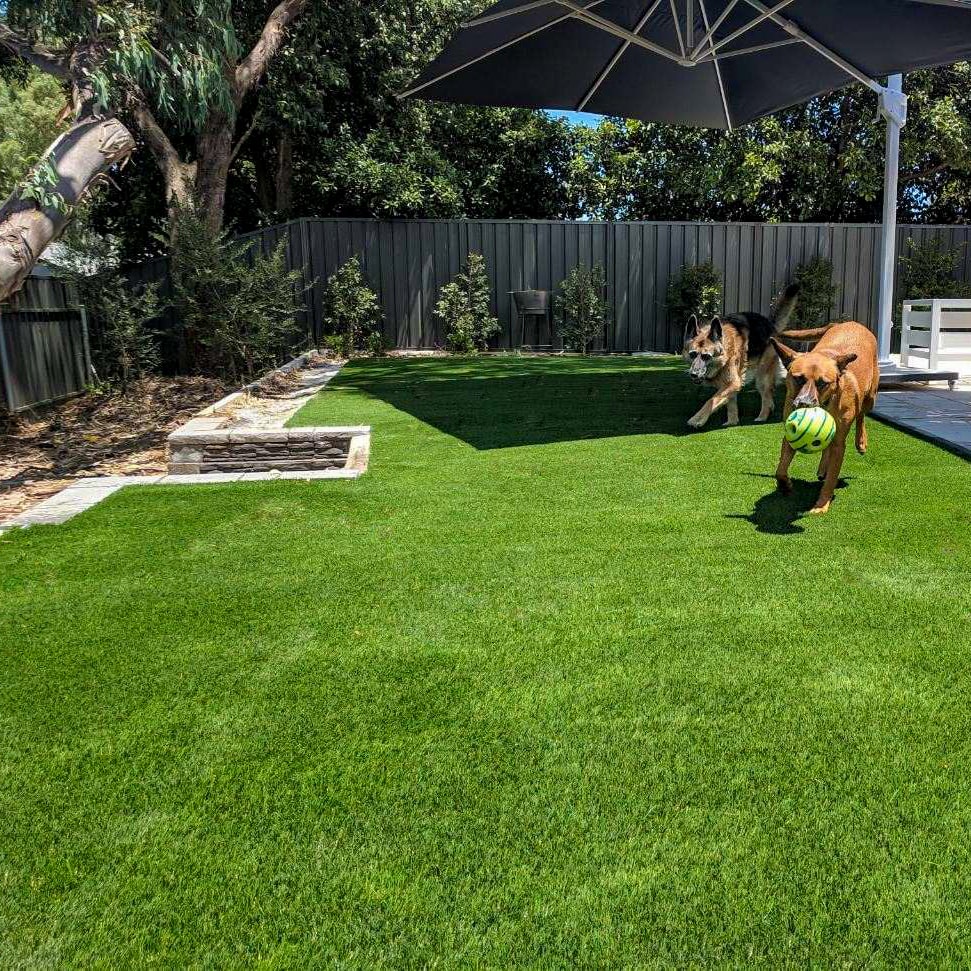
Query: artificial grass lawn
[{"x": 553, "y": 684}]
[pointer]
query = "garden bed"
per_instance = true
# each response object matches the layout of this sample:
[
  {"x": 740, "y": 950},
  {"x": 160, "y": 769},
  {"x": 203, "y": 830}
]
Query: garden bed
[{"x": 245, "y": 432}]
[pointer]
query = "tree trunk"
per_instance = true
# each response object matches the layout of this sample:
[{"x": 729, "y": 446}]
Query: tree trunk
[
  {"x": 284, "y": 176},
  {"x": 212, "y": 170},
  {"x": 81, "y": 157}
]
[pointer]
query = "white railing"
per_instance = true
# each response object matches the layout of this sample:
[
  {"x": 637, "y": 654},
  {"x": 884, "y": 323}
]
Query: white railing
[{"x": 936, "y": 332}]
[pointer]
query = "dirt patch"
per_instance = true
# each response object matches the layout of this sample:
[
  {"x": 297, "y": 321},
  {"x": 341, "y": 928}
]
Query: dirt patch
[{"x": 96, "y": 434}]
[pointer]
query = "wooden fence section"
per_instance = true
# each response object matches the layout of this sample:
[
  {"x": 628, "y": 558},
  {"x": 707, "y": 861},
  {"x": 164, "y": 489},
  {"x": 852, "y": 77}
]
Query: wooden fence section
[
  {"x": 408, "y": 261},
  {"x": 44, "y": 356}
]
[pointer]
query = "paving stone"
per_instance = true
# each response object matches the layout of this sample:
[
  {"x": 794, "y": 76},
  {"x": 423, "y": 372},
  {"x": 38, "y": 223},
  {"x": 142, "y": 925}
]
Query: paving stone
[
  {"x": 943, "y": 417},
  {"x": 202, "y": 478}
]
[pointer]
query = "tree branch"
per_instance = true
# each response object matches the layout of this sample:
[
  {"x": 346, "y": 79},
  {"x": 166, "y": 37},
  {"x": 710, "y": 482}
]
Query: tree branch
[
  {"x": 158, "y": 142},
  {"x": 35, "y": 54},
  {"x": 252, "y": 68},
  {"x": 242, "y": 138}
]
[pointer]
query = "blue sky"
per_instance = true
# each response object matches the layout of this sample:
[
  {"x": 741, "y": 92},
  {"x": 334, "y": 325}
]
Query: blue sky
[{"x": 577, "y": 117}]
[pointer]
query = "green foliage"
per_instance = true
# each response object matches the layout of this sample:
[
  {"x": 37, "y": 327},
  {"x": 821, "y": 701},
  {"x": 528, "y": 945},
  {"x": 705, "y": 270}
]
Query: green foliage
[
  {"x": 130, "y": 345},
  {"x": 40, "y": 186},
  {"x": 174, "y": 52},
  {"x": 123, "y": 342},
  {"x": 928, "y": 270},
  {"x": 351, "y": 309},
  {"x": 696, "y": 290},
  {"x": 817, "y": 294},
  {"x": 581, "y": 308},
  {"x": 464, "y": 306},
  {"x": 375, "y": 344},
  {"x": 236, "y": 307},
  {"x": 29, "y": 109}
]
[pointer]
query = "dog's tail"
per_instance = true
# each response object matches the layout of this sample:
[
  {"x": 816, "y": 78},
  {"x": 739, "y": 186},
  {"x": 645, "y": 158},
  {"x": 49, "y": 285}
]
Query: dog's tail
[
  {"x": 805, "y": 335},
  {"x": 785, "y": 306}
]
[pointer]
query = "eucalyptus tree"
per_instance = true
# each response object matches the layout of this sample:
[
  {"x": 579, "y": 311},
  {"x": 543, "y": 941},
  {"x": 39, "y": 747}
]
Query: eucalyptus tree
[{"x": 172, "y": 74}]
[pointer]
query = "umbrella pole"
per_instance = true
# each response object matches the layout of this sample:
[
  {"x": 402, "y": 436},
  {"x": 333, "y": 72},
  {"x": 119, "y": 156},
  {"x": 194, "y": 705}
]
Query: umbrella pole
[{"x": 893, "y": 107}]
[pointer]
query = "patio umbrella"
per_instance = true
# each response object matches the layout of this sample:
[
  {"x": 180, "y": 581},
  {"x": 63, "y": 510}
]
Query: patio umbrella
[{"x": 707, "y": 63}]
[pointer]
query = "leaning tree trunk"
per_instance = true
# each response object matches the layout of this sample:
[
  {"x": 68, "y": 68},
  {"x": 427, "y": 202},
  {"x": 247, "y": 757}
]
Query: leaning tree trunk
[{"x": 81, "y": 157}]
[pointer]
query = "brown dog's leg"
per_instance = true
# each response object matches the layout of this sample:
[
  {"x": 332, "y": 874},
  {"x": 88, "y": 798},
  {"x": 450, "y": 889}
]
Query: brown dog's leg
[
  {"x": 782, "y": 472},
  {"x": 823, "y": 465},
  {"x": 721, "y": 397},
  {"x": 861, "y": 435},
  {"x": 765, "y": 382},
  {"x": 732, "y": 412},
  {"x": 833, "y": 468}
]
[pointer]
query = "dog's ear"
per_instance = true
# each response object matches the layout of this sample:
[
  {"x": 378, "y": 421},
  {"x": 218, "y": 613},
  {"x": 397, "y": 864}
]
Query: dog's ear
[
  {"x": 843, "y": 361},
  {"x": 715, "y": 332},
  {"x": 786, "y": 354},
  {"x": 691, "y": 331}
]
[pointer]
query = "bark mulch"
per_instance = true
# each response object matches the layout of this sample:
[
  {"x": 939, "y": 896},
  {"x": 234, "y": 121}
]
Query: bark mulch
[{"x": 95, "y": 434}]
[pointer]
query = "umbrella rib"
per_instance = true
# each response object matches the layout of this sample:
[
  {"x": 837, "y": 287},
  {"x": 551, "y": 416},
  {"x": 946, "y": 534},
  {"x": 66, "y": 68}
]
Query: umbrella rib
[
  {"x": 713, "y": 29},
  {"x": 495, "y": 50},
  {"x": 765, "y": 15},
  {"x": 758, "y": 48},
  {"x": 502, "y": 14},
  {"x": 621, "y": 51},
  {"x": 718, "y": 70},
  {"x": 818, "y": 46},
  {"x": 595, "y": 20},
  {"x": 677, "y": 27}
]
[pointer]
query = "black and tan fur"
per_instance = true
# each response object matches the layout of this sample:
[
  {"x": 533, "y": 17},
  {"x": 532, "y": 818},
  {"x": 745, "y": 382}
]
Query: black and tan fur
[{"x": 730, "y": 351}]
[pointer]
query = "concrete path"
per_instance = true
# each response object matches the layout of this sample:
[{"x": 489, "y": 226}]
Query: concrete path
[
  {"x": 85, "y": 493},
  {"x": 942, "y": 417}
]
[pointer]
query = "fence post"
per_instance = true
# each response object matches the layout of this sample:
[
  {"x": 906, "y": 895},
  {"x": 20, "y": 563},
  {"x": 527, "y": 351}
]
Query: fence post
[
  {"x": 6, "y": 396},
  {"x": 86, "y": 343}
]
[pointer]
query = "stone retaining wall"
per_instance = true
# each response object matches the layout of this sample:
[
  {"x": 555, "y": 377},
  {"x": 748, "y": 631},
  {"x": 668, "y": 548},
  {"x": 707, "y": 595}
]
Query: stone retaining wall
[{"x": 196, "y": 450}]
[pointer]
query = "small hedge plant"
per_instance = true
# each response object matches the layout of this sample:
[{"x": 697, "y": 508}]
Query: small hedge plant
[
  {"x": 464, "y": 308},
  {"x": 581, "y": 307},
  {"x": 351, "y": 312},
  {"x": 696, "y": 290}
]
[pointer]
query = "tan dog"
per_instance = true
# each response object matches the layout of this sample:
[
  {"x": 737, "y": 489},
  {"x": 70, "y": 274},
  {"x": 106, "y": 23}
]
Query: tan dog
[
  {"x": 730, "y": 351},
  {"x": 842, "y": 375}
]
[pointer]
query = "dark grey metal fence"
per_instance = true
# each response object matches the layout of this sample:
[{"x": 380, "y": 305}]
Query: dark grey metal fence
[
  {"x": 408, "y": 261},
  {"x": 44, "y": 356}
]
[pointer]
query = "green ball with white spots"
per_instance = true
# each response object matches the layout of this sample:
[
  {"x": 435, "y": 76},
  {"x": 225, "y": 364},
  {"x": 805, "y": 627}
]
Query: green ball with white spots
[{"x": 810, "y": 430}]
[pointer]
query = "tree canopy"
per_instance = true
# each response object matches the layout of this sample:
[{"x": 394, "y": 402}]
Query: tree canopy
[{"x": 259, "y": 111}]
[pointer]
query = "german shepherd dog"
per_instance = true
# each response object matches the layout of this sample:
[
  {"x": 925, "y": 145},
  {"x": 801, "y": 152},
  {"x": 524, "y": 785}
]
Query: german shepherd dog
[{"x": 731, "y": 351}]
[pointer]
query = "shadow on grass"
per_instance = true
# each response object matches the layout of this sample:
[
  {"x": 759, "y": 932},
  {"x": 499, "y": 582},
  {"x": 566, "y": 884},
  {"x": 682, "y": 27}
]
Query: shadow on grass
[
  {"x": 505, "y": 403},
  {"x": 779, "y": 514}
]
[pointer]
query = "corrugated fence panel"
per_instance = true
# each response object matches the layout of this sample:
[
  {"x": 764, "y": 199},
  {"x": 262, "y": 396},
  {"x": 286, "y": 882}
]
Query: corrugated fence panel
[
  {"x": 43, "y": 357},
  {"x": 408, "y": 261}
]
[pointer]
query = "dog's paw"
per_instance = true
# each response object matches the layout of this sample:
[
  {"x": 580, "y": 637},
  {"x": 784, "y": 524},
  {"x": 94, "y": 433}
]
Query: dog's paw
[
  {"x": 730, "y": 424},
  {"x": 785, "y": 486},
  {"x": 820, "y": 510},
  {"x": 760, "y": 420},
  {"x": 696, "y": 422},
  {"x": 862, "y": 450}
]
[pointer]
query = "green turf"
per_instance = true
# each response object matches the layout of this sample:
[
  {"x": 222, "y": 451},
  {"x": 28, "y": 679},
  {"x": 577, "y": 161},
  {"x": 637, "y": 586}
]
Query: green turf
[{"x": 554, "y": 684}]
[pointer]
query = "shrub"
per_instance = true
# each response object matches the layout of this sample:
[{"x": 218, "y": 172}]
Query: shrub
[
  {"x": 696, "y": 290},
  {"x": 817, "y": 294},
  {"x": 123, "y": 344},
  {"x": 351, "y": 309},
  {"x": 464, "y": 307},
  {"x": 580, "y": 307},
  {"x": 928, "y": 270},
  {"x": 237, "y": 309},
  {"x": 374, "y": 344},
  {"x": 130, "y": 345}
]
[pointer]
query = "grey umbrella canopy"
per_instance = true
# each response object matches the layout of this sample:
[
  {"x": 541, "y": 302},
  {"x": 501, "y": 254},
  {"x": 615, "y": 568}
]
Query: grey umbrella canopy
[{"x": 709, "y": 63}]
